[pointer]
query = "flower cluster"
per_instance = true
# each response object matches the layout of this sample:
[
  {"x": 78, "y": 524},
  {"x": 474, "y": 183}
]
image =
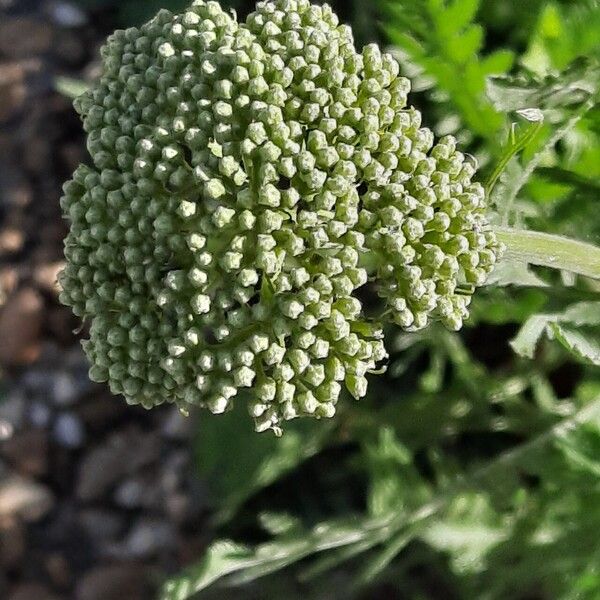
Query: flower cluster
[{"x": 246, "y": 180}]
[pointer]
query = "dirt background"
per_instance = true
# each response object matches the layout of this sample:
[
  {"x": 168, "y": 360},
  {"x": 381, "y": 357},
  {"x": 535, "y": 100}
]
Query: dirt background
[{"x": 98, "y": 501}]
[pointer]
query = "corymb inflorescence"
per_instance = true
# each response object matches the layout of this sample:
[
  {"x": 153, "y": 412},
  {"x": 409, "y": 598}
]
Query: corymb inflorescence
[{"x": 247, "y": 180}]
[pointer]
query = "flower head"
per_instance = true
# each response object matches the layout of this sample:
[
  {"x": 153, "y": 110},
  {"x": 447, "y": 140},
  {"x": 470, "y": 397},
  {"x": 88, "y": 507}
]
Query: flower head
[{"x": 243, "y": 176}]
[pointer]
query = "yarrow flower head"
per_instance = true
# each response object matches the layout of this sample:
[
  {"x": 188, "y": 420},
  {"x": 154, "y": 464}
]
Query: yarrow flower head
[{"x": 247, "y": 178}]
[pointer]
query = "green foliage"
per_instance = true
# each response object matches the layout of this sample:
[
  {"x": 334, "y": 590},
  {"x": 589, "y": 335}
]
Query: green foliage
[
  {"x": 441, "y": 39},
  {"x": 492, "y": 524},
  {"x": 562, "y": 34},
  {"x": 258, "y": 462}
]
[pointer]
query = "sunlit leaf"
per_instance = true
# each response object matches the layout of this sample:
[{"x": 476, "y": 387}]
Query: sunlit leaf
[
  {"x": 580, "y": 314},
  {"x": 584, "y": 346}
]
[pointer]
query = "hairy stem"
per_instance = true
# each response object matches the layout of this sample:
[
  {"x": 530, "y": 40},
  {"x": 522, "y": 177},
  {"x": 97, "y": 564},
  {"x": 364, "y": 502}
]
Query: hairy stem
[{"x": 550, "y": 250}]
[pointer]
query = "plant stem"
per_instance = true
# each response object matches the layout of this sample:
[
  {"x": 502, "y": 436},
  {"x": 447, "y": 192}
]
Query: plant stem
[{"x": 550, "y": 250}]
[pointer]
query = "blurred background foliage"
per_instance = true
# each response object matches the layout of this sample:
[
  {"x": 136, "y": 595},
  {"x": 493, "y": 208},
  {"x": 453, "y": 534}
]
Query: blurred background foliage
[{"x": 472, "y": 470}]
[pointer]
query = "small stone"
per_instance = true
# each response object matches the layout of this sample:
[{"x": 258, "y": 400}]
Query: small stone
[
  {"x": 13, "y": 89},
  {"x": 12, "y": 543},
  {"x": 37, "y": 380},
  {"x": 20, "y": 327},
  {"x": 64, "y": 389},
  {"x": 173, "y": 470},
  {"x": 17, "y": 192},
  {"x": 66, "y": 14},
  {"x": 68, "y": 431},
  {"x": 39, "y": 414},
  {"x": 102, "y": 524},
  {"x": 121, "y": 454},
  {"x": 9, "y": 279},
  {"x": 131, "y": 493},
  {"x": 12, "y": 409},
  {"x": 27, "y": 451},
  {"x": 114, "y": 582},
  {"x": 6, "y": 430},
  {"x": 12, "y": 101},
  {"x": 178, "y": 507},
  {"x": 11, "y": 240},
  {"x": 24, "y": 498},
  {"x": 149, "y": 537},
  {"x": 59, "y": 570},
  {"x": 22, "y": 37}
]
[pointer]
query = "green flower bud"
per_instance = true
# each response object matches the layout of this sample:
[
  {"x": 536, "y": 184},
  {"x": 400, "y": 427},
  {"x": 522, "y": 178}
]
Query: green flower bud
[{"x": 242, "y": 173}]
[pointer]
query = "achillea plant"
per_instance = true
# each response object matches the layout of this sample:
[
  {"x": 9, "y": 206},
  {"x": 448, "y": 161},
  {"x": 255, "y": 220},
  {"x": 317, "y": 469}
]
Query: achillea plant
[{"x": 247, "y": 180}]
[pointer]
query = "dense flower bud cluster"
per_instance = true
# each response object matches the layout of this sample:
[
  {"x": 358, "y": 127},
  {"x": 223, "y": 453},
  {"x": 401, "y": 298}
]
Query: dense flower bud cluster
[{"x": 244, "y": 177}]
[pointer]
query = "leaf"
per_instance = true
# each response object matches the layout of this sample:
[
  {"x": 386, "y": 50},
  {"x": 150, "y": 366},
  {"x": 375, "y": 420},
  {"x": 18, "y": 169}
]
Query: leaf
[
  {"x": 518, "y": 139},
  {"x": 459, "y": 520},
  {"x": 526, "y": 341},
  {"x": 513, "y": 272},
  {"x": 562, "y": 34},
  {"x": 568, "y": 89},
  {"x": 582, "y": 313},
  {"x": 461, "y": 13},
  {"x": 69, "y": 87},
  {"x": 561, "y": 101},
  {"x": 376, "y": 564},
  {"x": 221, "y": 558},
  {"x": 581, "y": 345},
  {"x": 441, "y": 39},
  {"x": 468, "y": 532},
  {"x": 242, "y": 565},
  {"x": 579, "y": 314},
  {"x": 279, "y": 523},
  {"x": 394, "y": 484}
]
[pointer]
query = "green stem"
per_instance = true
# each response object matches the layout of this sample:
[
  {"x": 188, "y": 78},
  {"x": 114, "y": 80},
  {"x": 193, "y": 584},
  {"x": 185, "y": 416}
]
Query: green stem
[
  {"x": 515, "y": 145},
  {"x": 550, "y": 250}
]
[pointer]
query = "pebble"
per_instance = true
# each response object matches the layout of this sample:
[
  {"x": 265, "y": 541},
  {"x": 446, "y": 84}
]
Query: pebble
[
  {"x": 8, "y": 278},
  {"x": 12, "y": 543},
  {"x": 102, "y": 524},
  {"x": 132, "y": 493},
  {"x": 22, "y": 36},
  {"x": 121, "y": 454},
  {"x": 13, "y": 91},
  {"x": 66, "y": 14},
  {"x": 149, "y": 537},
  {"x": 6, "y": 430},
  {"x": 58, "y": 568},
  {"x": 20, "y": 327},
  {"x": 113, "y": 582},
  {"x": 64, "y": 389},
  {"x": 45, "y": 276},
  {"x": 36, "y": 380},
  {"x": 27, "y": 451},
  {"x": 39, "y": 414},
  {"x": 24, "y": 498},
  {"x": 68, "y": 431},
  {"x": 11, "y": 240},
  {"x": 12, "y": 409}
]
